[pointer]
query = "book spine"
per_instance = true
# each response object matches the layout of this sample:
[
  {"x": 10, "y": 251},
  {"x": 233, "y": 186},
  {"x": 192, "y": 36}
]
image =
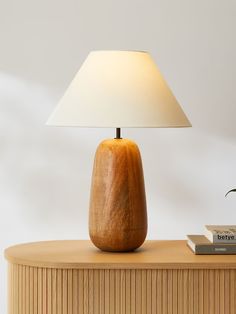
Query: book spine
[
  {"x": 222, "y": 238},
  {"x": 215, "y": 249}
]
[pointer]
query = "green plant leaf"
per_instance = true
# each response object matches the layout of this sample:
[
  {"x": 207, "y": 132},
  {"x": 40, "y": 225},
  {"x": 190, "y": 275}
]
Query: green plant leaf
[{"x": 233, "y": 190}]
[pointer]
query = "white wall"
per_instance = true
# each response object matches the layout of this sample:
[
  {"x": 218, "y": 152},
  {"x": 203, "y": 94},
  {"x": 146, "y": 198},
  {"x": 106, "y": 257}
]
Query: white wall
[{"x": 45, "y": 172}]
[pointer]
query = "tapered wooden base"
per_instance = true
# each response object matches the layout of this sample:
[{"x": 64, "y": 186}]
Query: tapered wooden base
[{"x": 117, "y": 217}]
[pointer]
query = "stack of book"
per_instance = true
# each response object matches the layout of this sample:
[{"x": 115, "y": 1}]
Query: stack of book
[{"x": 217, "y": 240}]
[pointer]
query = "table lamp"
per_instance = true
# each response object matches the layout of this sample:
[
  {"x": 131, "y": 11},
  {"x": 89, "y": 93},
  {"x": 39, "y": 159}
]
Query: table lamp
[{"x": 118, "y": 89}]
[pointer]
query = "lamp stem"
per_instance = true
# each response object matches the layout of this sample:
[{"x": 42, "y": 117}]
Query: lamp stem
[{"x": 118, "y": 133}]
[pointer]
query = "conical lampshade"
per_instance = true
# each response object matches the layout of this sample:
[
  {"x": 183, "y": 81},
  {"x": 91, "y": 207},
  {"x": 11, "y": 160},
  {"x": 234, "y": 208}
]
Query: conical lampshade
[{"x": 118, "y": 89}]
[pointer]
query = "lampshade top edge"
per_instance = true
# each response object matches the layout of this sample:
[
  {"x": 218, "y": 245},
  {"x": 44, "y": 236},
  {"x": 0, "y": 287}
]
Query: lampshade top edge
[{"x": 118, "y": 50}]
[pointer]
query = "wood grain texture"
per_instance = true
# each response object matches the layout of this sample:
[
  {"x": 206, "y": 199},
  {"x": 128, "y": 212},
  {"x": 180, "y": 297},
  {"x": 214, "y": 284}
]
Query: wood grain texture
[
  {"x": 72, "y": 277},
  {"x": 122, "y": 291},
  {"x": 81, "y": 254},
  {"x": 117, "y": 215}
]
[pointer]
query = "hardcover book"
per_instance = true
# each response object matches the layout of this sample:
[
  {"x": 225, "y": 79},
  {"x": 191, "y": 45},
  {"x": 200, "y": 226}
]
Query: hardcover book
[
  {"x": 199, "y": 244},
  {"x": 221, "y": 234}
]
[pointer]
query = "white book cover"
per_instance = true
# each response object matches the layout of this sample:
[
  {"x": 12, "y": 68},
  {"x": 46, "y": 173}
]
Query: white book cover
[{"x": 221, "y": 233}]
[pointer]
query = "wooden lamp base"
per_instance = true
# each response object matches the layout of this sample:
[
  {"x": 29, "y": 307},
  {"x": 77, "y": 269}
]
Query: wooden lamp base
[{"x": 117, "y": 216}]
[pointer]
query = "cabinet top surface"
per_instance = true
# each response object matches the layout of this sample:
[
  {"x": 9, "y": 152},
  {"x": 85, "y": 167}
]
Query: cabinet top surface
[{"x": 153, "y": 254}]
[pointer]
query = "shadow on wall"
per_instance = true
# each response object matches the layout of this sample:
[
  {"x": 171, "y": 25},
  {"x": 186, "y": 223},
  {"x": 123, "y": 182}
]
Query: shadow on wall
[{"x": 42, "y": 169}]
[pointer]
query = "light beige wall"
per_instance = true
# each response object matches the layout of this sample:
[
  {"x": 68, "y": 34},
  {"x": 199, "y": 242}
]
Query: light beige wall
[{"x": 45, "y": 172}]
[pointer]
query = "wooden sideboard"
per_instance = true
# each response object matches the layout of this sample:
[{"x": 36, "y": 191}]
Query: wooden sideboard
[{"x": 163, "y": 277}]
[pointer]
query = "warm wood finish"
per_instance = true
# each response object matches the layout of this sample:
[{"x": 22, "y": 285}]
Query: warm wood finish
[
  {"x": 153, "y": 254},
  {"x": 118, "y": 291},
  {"x": 162, "y": 277},
  {"x": 117, "y": 217}
]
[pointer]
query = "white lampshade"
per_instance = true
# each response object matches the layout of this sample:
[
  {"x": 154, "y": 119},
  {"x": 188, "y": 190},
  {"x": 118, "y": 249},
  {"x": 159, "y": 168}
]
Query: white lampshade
[{"x": 118, "y": 89}]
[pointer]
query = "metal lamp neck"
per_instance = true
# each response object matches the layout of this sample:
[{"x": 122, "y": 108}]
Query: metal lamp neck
[{"x": 118, "y": 133}]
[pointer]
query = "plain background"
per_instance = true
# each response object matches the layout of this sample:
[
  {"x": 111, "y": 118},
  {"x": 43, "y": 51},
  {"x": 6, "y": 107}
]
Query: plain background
[{"x": 45, "y": 172}]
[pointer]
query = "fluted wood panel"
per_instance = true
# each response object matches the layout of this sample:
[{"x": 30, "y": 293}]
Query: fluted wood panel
[{"x": 121, "y": 291}]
